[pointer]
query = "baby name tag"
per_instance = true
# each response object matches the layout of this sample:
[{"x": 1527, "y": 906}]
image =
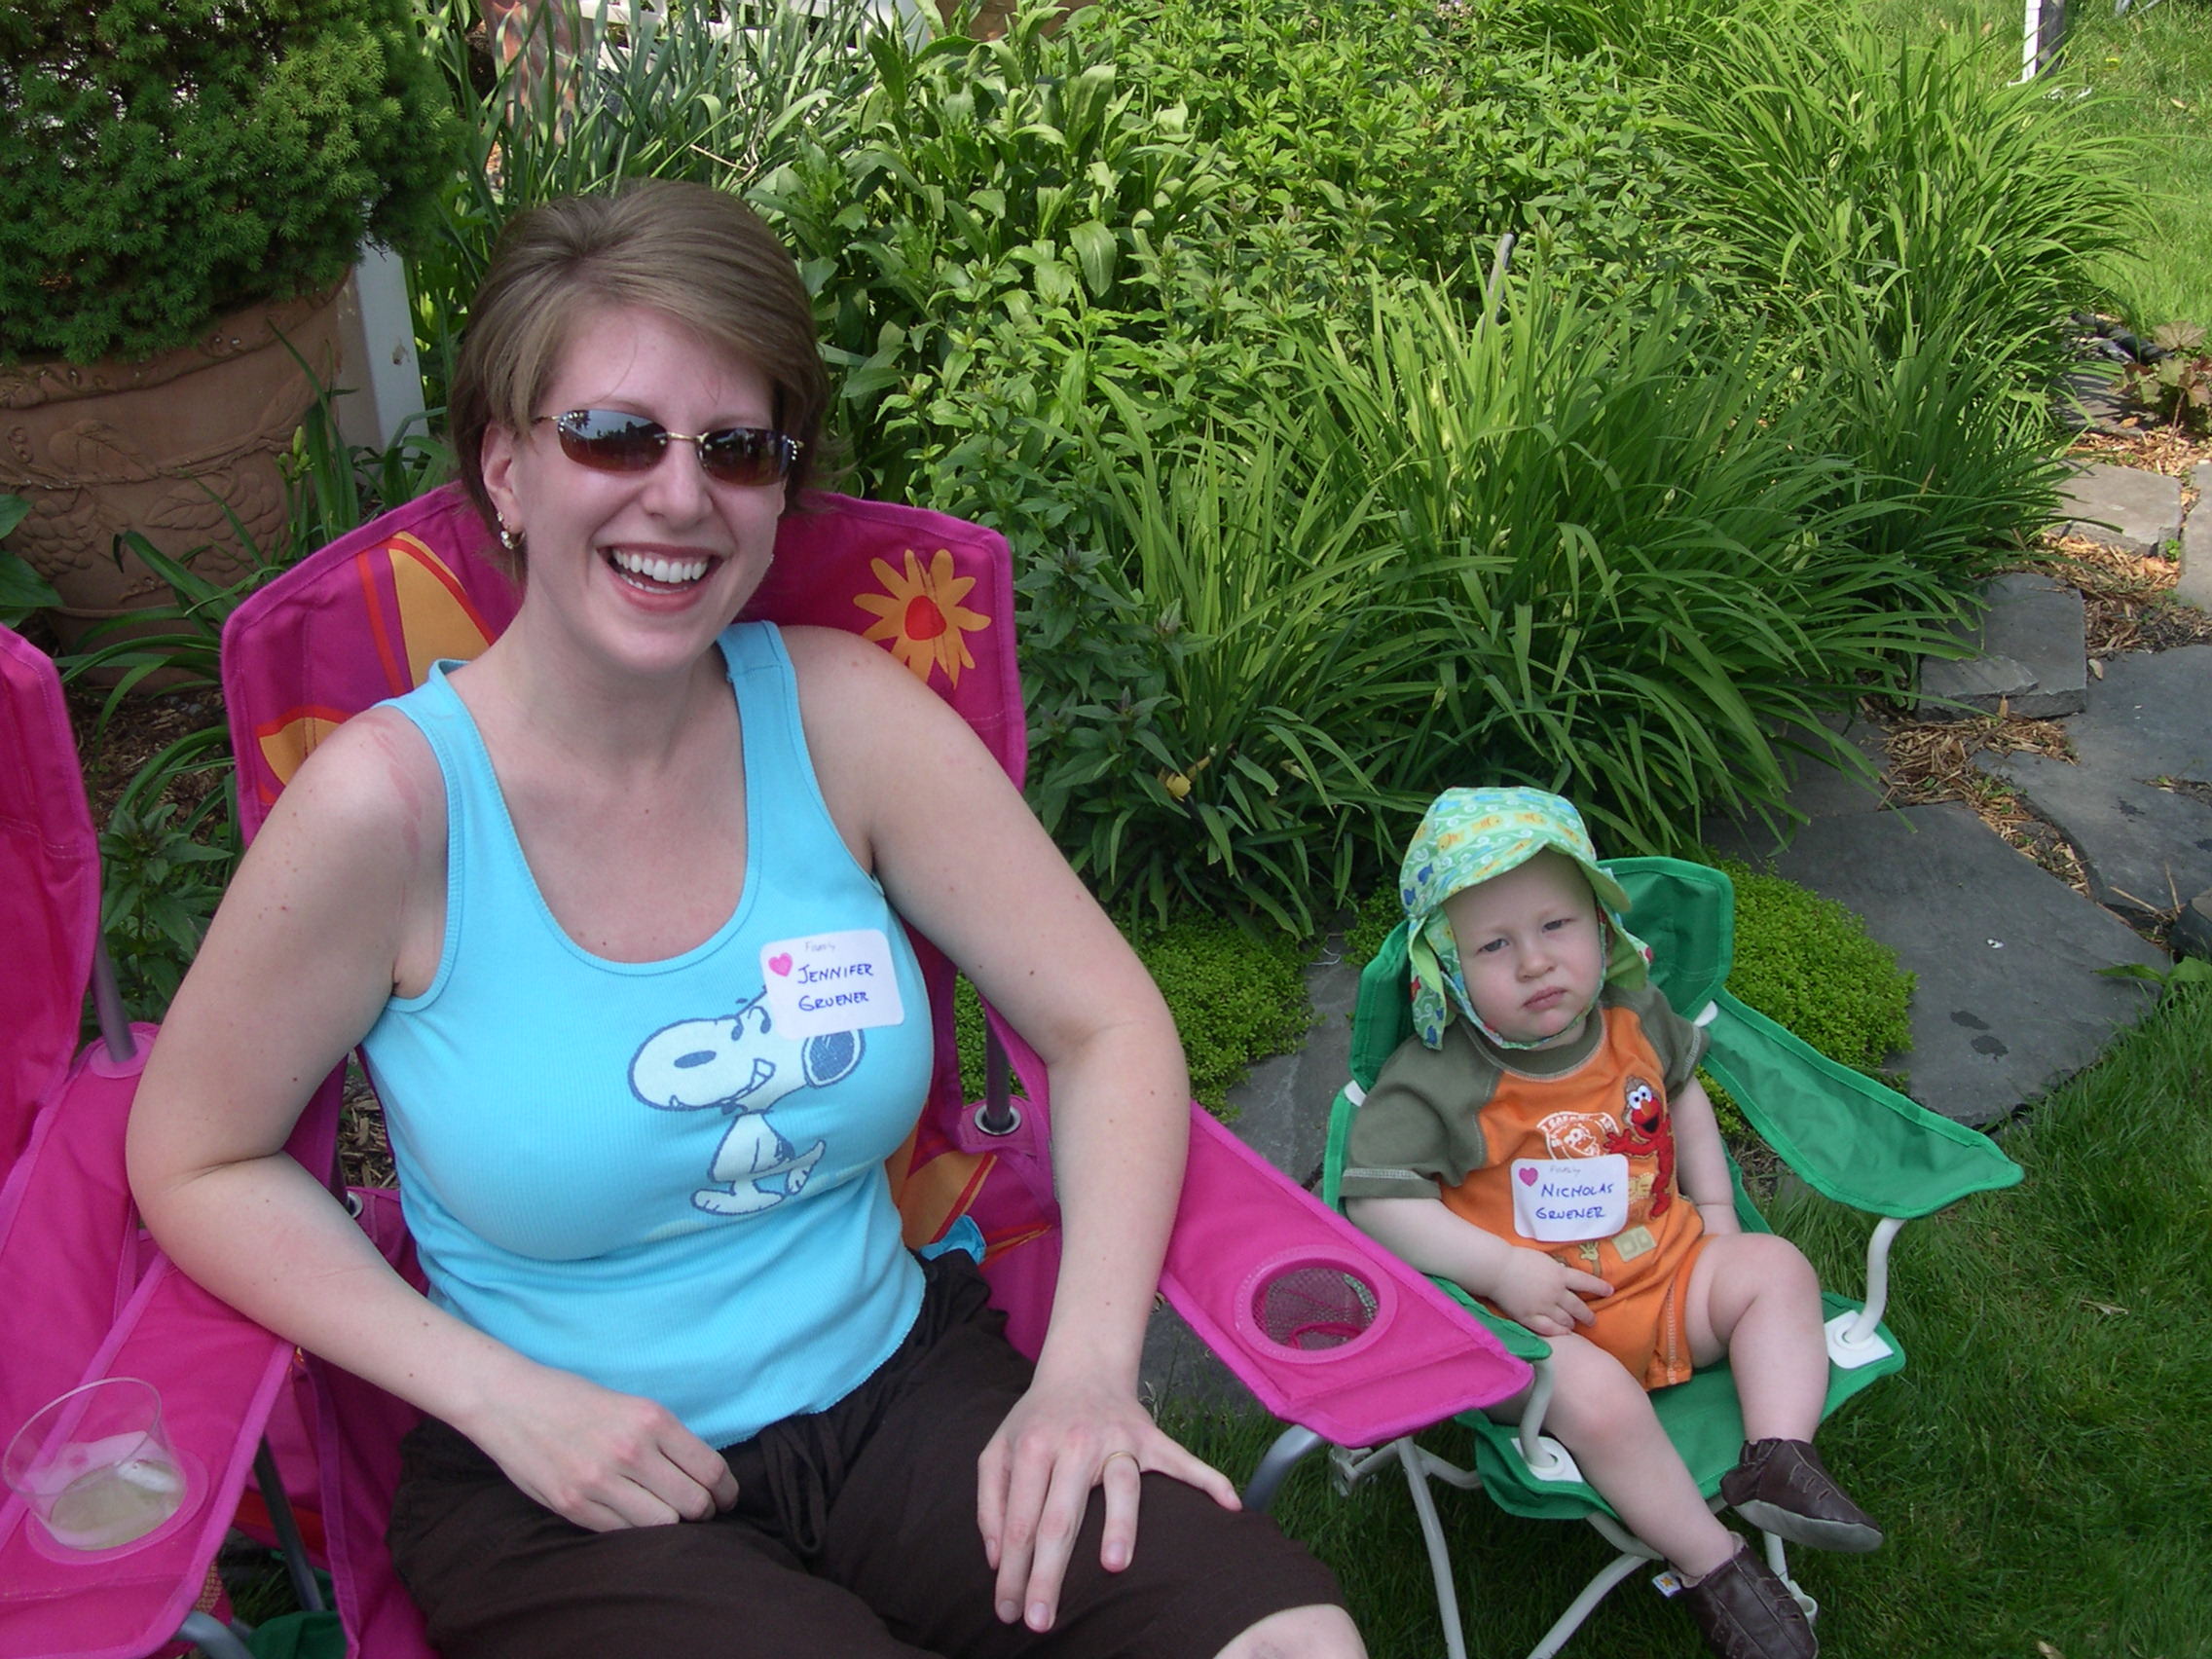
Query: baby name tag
[
  {"x": 825, "y": 982},
  {"x": 1562, "y": 1200}
]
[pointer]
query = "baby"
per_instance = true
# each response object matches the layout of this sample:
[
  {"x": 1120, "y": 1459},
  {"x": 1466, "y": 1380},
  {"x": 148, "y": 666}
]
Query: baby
[{"x": 1552, "y": 1150}]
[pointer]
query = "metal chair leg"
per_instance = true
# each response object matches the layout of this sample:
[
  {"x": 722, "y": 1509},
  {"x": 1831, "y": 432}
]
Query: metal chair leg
[
  {"x": 1439, "y": 1558},
  {"x": 287, "y": 1527},
  {"x": 212, "y": 1637},
  {"x": 1780, "y": 1563},
  {"x": 1291, "y": 1447},
  {"x": 1584, "y": 1604}
]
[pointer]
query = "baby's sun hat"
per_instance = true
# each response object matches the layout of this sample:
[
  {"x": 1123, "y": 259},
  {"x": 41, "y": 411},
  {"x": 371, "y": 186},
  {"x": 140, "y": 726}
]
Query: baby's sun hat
[{"x": 1470, "y": 836}]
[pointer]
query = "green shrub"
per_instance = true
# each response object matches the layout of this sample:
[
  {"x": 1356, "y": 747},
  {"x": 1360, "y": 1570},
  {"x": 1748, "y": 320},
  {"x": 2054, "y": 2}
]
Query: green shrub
[
  {"x": 1236, "y": 997},
  {"x": 1809, "y": 963},
  {"x": 678, "y": 93},
  {"x": 1626, "y": 568},
  {"x": 165, "y": 161},
  {"x": 160, "y": 885},
  {"x": 1450, "y": 142},
  {"x": 1826, "y": 163},
  {"x": 1238, "y": 777}
]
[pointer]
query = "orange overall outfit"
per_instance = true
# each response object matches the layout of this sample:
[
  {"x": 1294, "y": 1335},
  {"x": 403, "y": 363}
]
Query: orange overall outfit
[{"x": 1450, "y": 1122}]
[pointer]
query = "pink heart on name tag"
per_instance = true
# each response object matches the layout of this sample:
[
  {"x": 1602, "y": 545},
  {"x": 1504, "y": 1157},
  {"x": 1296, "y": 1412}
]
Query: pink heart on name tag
[
  {"x": 1528, "y": 1177},
  {"x": 782, "y": 964}
]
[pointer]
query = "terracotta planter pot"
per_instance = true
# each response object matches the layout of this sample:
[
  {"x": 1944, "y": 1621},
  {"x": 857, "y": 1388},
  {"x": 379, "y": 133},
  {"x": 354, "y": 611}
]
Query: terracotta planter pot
[{"x": 101, "y": 448}]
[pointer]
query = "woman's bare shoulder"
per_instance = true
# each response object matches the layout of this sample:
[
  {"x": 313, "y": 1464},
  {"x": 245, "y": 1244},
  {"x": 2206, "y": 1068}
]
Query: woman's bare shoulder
[
  {"x": 369, "y": 799},
  {"x": 855, "y": 694}
]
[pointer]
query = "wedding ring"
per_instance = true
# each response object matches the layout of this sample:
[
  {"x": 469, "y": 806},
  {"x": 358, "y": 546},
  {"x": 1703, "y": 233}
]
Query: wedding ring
[{"x": 1119, "y": 1452}]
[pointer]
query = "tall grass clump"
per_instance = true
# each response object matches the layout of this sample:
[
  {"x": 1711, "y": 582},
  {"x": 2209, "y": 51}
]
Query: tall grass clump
[
  {"x": 1630, "y": 571},
  {"x": 1209, "y": 743},
  {"x": 1832, "y": 171}
]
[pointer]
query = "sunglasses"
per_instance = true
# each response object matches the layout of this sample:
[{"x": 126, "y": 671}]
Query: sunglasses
[{"x": 611, "y": 440}]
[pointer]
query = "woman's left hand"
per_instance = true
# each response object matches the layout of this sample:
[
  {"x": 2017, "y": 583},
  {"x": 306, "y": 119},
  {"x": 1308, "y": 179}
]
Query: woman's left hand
[{"x": 1061, "y": 1439}]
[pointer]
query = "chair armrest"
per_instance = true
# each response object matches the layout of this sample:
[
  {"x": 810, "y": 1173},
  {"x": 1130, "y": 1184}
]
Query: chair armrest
[
  {"x": 1845, "y": 1136},
  {"x": 1243, "y": 1228},
  {"x": 1517, "y": 1339}
]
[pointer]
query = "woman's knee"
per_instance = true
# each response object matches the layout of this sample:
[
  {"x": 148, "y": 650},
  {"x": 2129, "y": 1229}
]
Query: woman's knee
[{"x": 1319, "y": 1632}]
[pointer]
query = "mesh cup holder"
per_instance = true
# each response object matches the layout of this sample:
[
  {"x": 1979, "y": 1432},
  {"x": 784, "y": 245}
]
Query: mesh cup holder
[{"x": 1312, "y": 1304}]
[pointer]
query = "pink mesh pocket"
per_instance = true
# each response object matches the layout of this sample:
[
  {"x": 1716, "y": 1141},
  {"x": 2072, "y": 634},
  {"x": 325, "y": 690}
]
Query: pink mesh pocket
[{"x": 1314, "y": 1303}]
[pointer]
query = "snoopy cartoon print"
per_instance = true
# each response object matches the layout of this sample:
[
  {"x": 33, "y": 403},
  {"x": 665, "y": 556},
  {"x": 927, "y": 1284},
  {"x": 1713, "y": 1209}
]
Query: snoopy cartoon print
[{"x": 737, "y": 1063}]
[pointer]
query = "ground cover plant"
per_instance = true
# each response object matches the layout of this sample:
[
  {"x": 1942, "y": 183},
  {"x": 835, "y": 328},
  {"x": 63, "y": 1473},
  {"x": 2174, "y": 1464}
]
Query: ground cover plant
[
  {"x": 1237, "y": 997},
  {"x": 2036, "y": 1464}
]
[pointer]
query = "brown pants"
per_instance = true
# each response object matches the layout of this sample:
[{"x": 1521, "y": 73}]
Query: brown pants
[{"x": 854, "y": 1533}]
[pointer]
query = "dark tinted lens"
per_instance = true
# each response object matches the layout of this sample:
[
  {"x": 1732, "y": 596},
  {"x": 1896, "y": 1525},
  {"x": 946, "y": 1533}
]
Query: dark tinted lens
[
  {"x": 611, "y": 440},
  {"x": 744, "y": 455}
]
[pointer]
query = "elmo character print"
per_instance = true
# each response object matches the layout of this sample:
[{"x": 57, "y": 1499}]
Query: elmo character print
[{"x": 1648, "y": 1134}]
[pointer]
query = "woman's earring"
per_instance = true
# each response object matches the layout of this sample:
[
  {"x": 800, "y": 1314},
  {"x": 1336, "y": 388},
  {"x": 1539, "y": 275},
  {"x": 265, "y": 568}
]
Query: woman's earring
[{"x": 510, "y": 540}]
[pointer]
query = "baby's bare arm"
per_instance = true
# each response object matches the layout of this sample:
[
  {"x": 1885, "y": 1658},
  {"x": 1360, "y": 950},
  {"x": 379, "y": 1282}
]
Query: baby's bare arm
[
  {"x": 1422, "y": 1231},
  {"x": 1541, "y": 1292},
  {"x": 1702, "y": 1162}
]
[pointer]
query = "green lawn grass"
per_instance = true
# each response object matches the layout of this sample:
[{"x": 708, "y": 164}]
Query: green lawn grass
[
  {"x": 2043, "y": 1465},
  {"x": 2149, "y": 75}
]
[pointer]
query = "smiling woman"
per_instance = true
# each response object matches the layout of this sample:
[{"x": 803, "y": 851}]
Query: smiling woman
[{"x": 618, "y": 912}]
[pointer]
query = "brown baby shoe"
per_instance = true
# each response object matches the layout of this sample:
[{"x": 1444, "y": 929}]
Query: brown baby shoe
[
  {"x": 1747, "y": 1612},
  {"x": 1780, "y": 1487}
]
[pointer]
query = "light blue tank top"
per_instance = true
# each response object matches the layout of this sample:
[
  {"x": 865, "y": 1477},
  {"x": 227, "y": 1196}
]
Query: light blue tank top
[{"x": 666, "y": 1176}]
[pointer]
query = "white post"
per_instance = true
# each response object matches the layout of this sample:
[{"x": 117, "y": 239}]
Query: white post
[{"x": 377, "y": 367}]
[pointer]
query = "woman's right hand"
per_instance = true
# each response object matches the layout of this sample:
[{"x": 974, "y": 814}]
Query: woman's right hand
[
  {"x": 1544, "y": 1293},
  {"x": 601, "y": 1459}
]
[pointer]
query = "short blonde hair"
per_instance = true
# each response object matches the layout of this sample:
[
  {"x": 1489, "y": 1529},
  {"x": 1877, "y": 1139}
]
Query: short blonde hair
[{"x": 699, "y": 257}]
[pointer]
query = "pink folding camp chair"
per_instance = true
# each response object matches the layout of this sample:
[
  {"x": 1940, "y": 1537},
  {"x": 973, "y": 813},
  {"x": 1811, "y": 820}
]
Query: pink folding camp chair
[
  {"x": 1327, "y": 1331},
  {"x": 84, "y": 1294}
]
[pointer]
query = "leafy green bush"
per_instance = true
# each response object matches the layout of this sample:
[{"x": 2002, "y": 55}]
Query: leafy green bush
[
  {"x": 165, "y": 161},
  {"x": 1451, "y": 141},
  {"x": 1238, "y": 778},
  {"x": 1236, "y": 997},
  {"x": 1809, "y": 963},
  {"x": 158, "y": 888}
]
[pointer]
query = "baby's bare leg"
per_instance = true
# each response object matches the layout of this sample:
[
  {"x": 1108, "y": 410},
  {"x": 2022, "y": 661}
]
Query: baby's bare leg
[
  {"x": 1755, "y": 1299},
  {"x": 1602, "y": 1414}
]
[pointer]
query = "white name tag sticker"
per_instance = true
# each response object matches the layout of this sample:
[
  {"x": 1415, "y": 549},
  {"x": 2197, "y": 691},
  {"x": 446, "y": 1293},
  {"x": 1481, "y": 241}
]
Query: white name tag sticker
[
  {"x": 1564, "y": 1201},
  {"x": 825, "y": 982}
]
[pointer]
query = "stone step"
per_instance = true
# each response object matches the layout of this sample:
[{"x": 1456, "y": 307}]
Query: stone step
[
  {"x": 2127, "y": 508},
  {"x": 2008, "y": 999},
  {"x": 2146, "y": 848},
  {"x": 2029, "y": 656},
  {"x": 2195, "y": 586}
]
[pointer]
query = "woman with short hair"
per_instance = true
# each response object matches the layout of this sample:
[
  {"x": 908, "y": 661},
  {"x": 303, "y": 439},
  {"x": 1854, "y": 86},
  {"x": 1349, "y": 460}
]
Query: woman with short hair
[{"x": 686, "y": 1389}]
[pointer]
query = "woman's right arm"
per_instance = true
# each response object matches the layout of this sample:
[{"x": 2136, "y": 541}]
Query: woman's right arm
[{"x": 298, "y": 964}]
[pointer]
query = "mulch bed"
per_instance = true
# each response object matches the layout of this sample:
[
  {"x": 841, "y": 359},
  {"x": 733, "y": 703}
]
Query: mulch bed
[
  {"x": 1933, "y": 761},
  {"x": 2128, "y": 598},
  {"x": 2159, "y": 448}
]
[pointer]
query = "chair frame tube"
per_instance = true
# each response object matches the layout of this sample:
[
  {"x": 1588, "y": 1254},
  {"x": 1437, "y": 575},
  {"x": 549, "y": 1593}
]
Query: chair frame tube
[
  {"x": 1862, "y": 1329},
  {"x": 213, "y": 1638}
]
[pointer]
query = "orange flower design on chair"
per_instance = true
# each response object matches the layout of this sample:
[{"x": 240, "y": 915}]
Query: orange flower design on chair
[{"x": 920, "y": 616}]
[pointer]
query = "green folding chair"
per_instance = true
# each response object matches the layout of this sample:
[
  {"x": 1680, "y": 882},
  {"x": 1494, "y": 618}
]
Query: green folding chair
[{"x": 1844, "y": 1135}]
